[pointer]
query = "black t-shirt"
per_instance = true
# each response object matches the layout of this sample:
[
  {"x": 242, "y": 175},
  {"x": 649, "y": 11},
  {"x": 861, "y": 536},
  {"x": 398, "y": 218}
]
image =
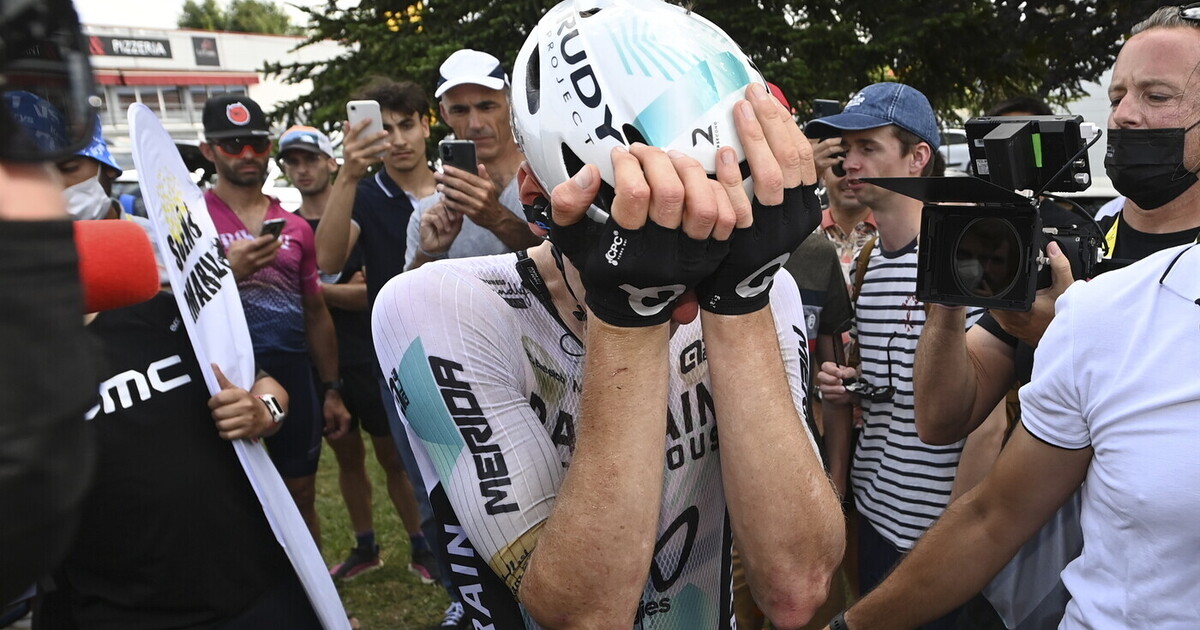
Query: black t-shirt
[
  {"x": 172, "y": 535},
  {"x": 353, "y": 327},
  {"x": 818, "y": 273},
  {"x": 1131, "y": 246},
  {"x": 381, "y": 209}
]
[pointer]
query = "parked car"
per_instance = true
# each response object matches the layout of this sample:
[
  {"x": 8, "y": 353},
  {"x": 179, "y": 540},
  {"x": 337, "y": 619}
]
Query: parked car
[{"x": 954, "y": 149}]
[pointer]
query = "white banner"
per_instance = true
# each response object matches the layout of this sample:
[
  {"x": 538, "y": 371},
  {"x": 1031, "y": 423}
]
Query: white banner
[{"x": 207, "y": 295}]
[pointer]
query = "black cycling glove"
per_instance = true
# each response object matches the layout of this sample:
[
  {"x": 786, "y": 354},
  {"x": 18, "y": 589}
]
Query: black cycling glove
[
  {"x": 634, "y": 277},
  {"x": 742, "y": 282}
]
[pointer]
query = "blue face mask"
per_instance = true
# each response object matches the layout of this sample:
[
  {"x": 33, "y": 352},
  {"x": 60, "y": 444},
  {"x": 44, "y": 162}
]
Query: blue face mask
[{"x": 1146, "y": 165}]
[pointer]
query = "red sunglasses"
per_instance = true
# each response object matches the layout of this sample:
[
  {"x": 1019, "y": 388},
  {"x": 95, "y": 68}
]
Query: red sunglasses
[{"x": 234, "y": 147}]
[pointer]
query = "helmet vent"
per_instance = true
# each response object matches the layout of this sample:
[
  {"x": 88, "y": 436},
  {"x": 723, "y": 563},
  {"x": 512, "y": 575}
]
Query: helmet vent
[
  {"x": 589, "y": 13},
  {"x": 573, "y": 165},
  {"x": 571, "y": 162},
  {"x": 533, "y": 82},
  {"x": 632, "y": 134}
]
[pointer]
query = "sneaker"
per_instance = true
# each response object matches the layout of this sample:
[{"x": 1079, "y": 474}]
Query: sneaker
[
  {"x": 424, "y": 566},
  {"x": 358, "y": 562},
  {"x": 454, "y": 615}
]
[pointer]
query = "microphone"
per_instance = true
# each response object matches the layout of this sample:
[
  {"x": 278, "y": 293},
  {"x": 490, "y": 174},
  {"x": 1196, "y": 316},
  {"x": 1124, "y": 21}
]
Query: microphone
[{"x": 116, "y": 264}]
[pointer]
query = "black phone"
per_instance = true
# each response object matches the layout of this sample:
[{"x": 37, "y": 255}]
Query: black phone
[
  {"x": 823, "y": 107},
  {"x": 459, "y": 154},
  {"x": 274, "y": 227}
]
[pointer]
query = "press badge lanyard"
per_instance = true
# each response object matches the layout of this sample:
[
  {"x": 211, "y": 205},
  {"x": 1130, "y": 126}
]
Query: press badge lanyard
[{"x": 1110, "y": 239}]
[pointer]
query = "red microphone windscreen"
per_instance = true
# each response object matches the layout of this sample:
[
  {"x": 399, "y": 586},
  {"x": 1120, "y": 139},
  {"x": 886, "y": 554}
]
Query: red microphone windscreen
[{"x": 116, "y": 264}]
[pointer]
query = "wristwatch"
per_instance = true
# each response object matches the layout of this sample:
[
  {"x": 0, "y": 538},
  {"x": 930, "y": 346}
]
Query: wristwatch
[
  {"x": 329, "y": 386},
  {"x": 273, "y": 407},
  {"x": 839, "y": 622}
]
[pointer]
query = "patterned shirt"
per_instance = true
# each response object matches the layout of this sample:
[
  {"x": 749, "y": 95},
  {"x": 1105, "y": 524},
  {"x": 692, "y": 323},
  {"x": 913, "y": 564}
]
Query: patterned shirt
[
  {"x": 272, "y": 296},
  {"x": 848, "y": 244}
]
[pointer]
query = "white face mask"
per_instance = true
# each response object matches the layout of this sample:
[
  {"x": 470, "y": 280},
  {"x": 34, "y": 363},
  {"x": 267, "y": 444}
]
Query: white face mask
[
  {"x": 970, "y": 271},
  {"x": 86, "y": 200}
]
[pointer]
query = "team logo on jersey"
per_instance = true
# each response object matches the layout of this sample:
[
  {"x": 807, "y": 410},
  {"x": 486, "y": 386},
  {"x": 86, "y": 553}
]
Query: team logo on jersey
[
  {"x": 120, "y": 388},
  {"x": 692, "y": 356},
  {"x": 237, "y": 114}
]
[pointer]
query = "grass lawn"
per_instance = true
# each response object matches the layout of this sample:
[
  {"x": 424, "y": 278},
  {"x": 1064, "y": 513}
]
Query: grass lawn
[{"x": 389, "y": 598}]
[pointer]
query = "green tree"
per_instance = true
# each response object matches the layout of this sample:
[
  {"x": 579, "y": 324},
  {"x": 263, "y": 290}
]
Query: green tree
[
  {"x": 963, "y": 54},
  {"x": 242, "y": 16}
]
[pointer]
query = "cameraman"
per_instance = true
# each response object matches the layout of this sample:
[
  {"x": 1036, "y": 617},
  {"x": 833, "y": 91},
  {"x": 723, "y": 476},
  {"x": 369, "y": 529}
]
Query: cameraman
[
  {"x": 46, "y": 358},
  {"x": 1129, "y": 431},
  {"x": 960, "y": 377}
]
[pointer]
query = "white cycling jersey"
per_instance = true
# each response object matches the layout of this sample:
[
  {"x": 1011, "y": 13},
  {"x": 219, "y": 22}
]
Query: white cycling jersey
[{"x": 488, "y": 382}]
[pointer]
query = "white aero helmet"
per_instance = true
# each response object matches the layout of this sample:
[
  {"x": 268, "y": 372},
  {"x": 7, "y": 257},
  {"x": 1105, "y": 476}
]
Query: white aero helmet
[{"x": 601, "y": 73}]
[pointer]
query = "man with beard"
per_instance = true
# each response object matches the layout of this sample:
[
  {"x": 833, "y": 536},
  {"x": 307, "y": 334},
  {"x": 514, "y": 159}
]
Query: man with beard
[{"x": 280, "y": 289}]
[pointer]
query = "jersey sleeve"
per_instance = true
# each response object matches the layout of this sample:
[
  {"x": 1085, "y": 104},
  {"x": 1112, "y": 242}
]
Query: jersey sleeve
[
  {"x": 788, "y": 311},
  {"x": 1051, "y": 402},
  {"x": 452, "y": 354}
]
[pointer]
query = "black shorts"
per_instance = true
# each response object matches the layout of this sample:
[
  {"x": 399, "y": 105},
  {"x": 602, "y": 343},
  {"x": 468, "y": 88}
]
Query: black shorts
[
  {"x": 360, "y": 392},
  {"x": 296, "y": 448}
]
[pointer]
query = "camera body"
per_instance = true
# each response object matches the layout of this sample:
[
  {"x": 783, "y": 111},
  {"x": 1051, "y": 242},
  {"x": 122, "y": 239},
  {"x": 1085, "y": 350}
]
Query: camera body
[
  {"x": 983, "y": 243},
  {"x": 994, "y": 256}
]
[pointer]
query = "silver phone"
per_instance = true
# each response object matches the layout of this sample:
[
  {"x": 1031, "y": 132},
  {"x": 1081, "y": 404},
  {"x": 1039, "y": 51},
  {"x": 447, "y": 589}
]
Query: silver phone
[{"x": 359, "y": 111}]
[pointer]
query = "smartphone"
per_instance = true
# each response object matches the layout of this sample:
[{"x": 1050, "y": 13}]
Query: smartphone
[
  {"x": 459, "y": 154},
  {"x": 274, "y": 227},
  {"x": 823, "y": 107},
  {"x": 359, "y": 111}
]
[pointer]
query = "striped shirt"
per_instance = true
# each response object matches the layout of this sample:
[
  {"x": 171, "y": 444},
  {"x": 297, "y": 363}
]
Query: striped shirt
[{"x": 901, "y": 485}]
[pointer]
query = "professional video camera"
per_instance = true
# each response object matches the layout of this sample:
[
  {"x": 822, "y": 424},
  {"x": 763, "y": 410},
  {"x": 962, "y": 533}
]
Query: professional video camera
[{"x": 983, "y": 238}]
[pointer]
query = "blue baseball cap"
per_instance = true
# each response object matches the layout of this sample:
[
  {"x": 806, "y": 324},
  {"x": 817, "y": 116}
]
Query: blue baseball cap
[
  {"x": 43, "y": 123},
  {"x": 98, "y": 149},
  {"x": 878, "y": 105}
]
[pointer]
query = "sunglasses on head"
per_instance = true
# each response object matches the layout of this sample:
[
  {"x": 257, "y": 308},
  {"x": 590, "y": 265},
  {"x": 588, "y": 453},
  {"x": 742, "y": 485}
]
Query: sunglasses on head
[
  {"x": 235, "y": 146},
  {"x": 1190, "y": 12}
]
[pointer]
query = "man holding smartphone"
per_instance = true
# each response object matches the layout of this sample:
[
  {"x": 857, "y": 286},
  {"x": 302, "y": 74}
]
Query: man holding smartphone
[
  {"x": 277, "y": 278},
  {"x": 478, "y": 212},
  {"x": 373, "y": 210}
]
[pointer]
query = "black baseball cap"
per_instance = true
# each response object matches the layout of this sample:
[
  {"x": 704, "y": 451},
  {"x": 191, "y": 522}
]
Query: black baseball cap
[{"x": 232, "y": 116}]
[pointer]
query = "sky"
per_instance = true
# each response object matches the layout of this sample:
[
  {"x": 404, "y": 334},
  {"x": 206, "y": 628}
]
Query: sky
[{"x": 157, "y": 13}]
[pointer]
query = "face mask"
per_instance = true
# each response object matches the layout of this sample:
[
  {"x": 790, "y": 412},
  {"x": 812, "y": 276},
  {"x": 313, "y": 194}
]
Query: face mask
[
  {"x": 86, "y": 200},
  {"x": 1146, "y": 165},
  {"x": 970, "y": 272}
]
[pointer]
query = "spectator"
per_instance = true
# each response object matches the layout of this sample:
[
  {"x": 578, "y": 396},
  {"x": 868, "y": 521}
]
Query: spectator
[
  {"x": 562, "y": 511},
  {"x": 88, "y": 177},
  {"x": 375, "y": 211},
  {"x": 1128, "y": 431},
  {"x": 280, "y": 291},
  {"x": 847, "y": 222},
  {"x": 962, "y": 377},
  {"x": 475, "y": 214},
  {"x": 901, "y": 485},
  {"x": 306, "y": 156},
  {"x": 204, "y": 554}
]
